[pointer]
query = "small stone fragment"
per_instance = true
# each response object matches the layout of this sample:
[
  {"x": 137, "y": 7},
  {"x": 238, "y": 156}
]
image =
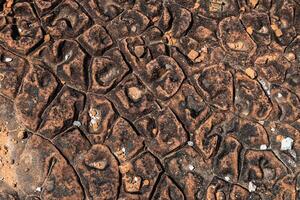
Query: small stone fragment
[
  {"x": 277, "y": 31},
  {"x": 251, "y": 187},
  {"x": 77, "y": 123},
  {"x": 146, "y": 182},
  {"x": 193, "y": 54},
  {"x": 7, "y": 59},
  {"x": 290, "y": 56},
  {"x": 249, "y": 30},
  {"x": 250, "y": 72},
  {"x": 47, "y": 38},
  {"x": 191, "y": 167},
  {"x": 286, "y": 144},
  {"x": 139, "y": 51},
  {"x": 263, "y": 147},
  {"x": 135, "y": 93},
  {"x": 133, "y": 28},
  {"x": 190, "y": 143}
]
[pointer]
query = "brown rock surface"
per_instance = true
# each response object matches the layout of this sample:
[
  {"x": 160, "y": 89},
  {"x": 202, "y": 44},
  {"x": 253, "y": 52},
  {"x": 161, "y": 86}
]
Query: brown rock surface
[{"x": 149, "y": 99}]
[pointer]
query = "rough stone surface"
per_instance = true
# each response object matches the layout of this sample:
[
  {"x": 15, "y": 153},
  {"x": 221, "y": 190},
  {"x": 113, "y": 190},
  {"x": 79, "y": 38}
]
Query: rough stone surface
[{"x": 150, "y": 99}]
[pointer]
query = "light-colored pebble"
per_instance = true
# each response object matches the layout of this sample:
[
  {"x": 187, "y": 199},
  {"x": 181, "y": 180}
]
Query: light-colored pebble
[
  {"x": 7, "y": 59},
  {"x": 286, "y": 144},
  {"x": 191, "y": 167},
  {"x": 251, "y": 187},
  {"x": 191, "y": 143},
  {"x": 77, "y": 123},
  {"x": 263, "y": 147}
]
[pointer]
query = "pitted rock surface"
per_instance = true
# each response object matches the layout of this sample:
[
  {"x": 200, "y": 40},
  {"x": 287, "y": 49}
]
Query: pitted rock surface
[{"x": 150, "y": 99}]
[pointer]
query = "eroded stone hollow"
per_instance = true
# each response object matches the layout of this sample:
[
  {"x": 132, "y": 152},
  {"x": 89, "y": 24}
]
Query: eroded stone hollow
[{"x": 149, "y": 99}]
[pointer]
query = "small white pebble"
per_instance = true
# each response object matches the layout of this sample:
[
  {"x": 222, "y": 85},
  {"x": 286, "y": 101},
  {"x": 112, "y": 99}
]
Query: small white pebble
[
  {"x": 286, "y": 144},
  {"x": 133, "y": 28},
  {"x": 251, "y": 187},
  {"x": 7, "y": 59},
  {"x": 272, "y": 129},
  {"x": 38, "y": 189},
  {"x": 263, "y": 147},
  {"x": 123, "y": 149},
  {"x": 191, "y": 167},
  {"x": 279, "y": 95},
  {"x": 77, "y": 123},
  {"x": 68, "y": 55},
  {"x": 227, "y": 178},
  {"x": 191, "y": 143}
]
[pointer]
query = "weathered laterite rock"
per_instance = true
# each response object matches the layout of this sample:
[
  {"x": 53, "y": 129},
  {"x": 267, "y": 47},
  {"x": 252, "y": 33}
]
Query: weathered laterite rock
[{"x": 150, "y": 99}]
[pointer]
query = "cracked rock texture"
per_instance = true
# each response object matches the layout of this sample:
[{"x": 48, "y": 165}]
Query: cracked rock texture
[{"x": 150, "y": 99}]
